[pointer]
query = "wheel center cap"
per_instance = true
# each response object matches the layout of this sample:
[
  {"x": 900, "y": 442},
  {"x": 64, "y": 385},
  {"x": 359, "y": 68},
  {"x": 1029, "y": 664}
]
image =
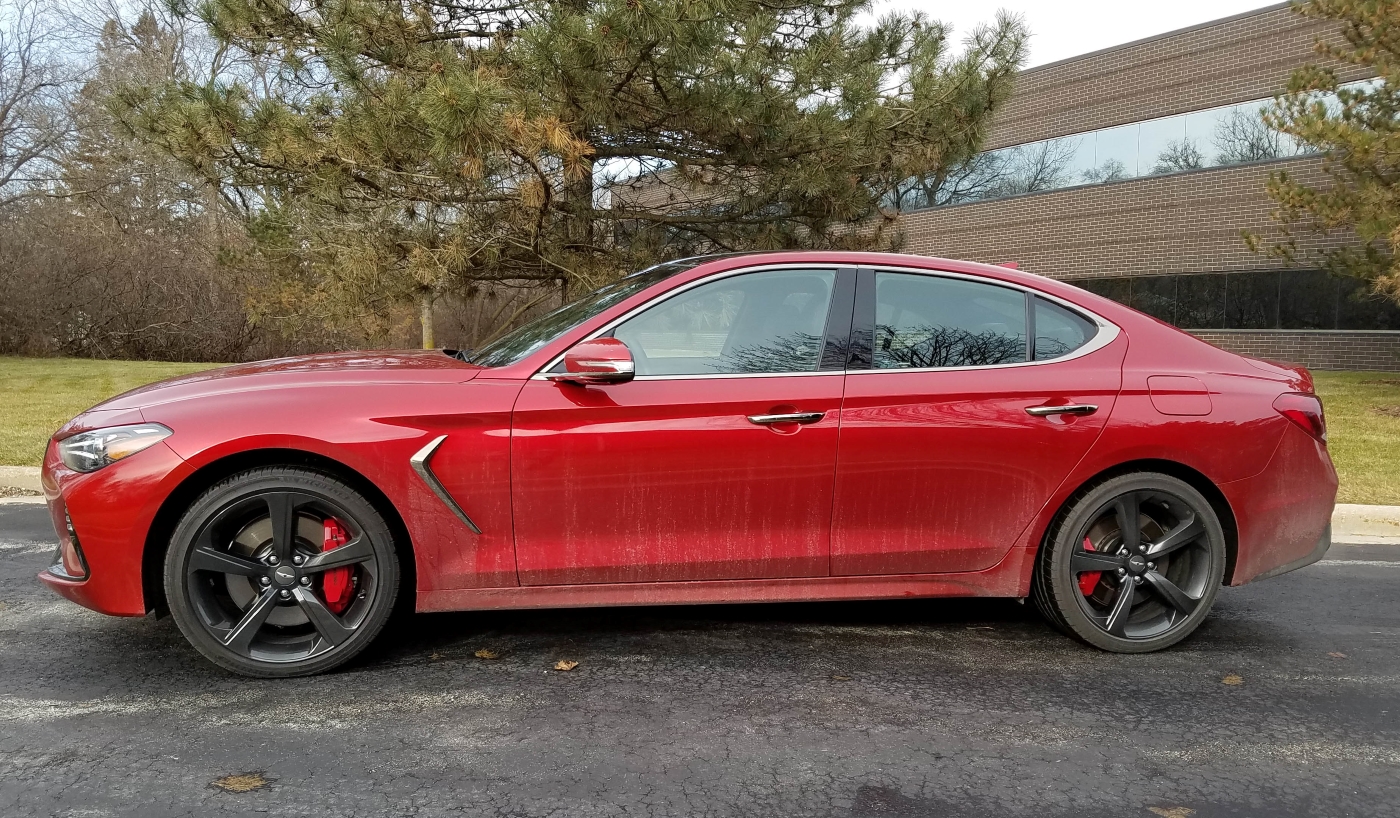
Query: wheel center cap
[
  {"x": 1137, "y": 564},
  {"x": 284, "y": 575}
]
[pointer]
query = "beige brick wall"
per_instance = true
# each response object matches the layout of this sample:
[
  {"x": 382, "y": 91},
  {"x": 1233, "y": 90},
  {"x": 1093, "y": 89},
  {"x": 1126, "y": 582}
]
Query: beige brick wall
[
  {"x": 1247, "y": 57},
  {"x": 1182, "y": 223},
  {"x": 1373, "y": 351}
]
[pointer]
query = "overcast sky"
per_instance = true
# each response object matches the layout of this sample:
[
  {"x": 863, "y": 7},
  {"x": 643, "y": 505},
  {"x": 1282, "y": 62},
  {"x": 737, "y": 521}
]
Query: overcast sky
[{"x": 1067, "y": 28}]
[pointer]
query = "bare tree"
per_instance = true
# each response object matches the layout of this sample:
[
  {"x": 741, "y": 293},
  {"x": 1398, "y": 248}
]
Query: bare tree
[
  {"x": 1243, "y": 136},
  {"x": 1038, "y": 166},
  {"x": 1110, "y": 171},
  {"x": 33, "y": 84},
  {"x": 1178, "y": 156}
]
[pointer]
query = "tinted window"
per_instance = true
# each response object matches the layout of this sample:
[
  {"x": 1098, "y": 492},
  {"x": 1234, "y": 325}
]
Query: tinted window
[
  {"x": 1307, "y": 300},
  {"x": 927, "y": 321},
  {"x": 1282, "y": 299},
  {"x": 1200, "y": 301},
  {"x": 1251, "y": 300},
  {"x": 1059, "y": 331},
  {"x": 1360, "y": 308},
  {"x": 1154, "y": 295},
  {"x": 766, "y": 322}
]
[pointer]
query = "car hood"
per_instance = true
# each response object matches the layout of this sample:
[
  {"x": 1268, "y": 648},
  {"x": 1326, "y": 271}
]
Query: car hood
[{"x": 398, "y": 366}]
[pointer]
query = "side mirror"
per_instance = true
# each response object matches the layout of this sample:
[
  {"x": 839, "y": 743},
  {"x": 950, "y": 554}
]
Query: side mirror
[{"x": 599, "y": 361}]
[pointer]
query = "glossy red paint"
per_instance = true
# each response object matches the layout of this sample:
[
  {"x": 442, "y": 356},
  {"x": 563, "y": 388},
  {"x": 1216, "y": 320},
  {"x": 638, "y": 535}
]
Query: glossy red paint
[
  {"x": 654, "y": 491},
  {"x": 665, "y": 480},
  {"x": 942, "y": 470},
  {"x": 600, "y": 356}
]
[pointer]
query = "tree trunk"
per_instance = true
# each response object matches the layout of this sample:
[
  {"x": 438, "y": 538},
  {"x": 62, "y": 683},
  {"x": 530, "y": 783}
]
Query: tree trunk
[
  {"x": 425, "y": 317},
  {"x": 578, "y": 204}
]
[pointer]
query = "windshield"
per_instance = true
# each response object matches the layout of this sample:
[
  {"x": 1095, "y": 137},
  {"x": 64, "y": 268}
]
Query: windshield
[{"x": 515, "y": 345}]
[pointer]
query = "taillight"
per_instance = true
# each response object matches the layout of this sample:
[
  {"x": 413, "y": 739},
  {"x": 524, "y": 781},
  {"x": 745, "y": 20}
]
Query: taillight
[{"x": 1305, "y": 411}]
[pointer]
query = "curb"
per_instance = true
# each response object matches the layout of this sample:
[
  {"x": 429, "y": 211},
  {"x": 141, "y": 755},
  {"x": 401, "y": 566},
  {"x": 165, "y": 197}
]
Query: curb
[
  {"x": 1351, "y": 523},
  {"x": 20, "y": 477}
]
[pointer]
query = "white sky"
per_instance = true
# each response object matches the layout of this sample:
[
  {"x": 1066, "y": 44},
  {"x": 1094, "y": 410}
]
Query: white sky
[{"x": 1071, "y": 27}]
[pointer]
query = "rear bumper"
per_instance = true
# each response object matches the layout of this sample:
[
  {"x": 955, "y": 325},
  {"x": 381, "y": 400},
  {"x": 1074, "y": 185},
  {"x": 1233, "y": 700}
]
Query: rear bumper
[
  {"x": 1319, "y": 551},
  {"x": 1284, "y": 513}
]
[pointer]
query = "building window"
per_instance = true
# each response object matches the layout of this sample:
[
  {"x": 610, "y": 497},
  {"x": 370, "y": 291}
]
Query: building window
[
  {"x": 1273, "y": 299},
  {"x": 1228, "y": 135}
]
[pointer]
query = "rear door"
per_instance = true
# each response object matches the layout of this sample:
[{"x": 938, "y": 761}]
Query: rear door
[{"x": 956, "y": 429}]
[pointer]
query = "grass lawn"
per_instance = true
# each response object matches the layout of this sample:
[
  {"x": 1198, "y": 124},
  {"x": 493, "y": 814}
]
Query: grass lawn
[
  {"x": 1363, "y": 433},
  {"x": 39, "y": 394}
]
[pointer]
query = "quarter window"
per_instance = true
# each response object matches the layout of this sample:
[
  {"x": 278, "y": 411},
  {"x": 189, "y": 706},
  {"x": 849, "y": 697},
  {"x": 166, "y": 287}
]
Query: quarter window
[
  {"x": 765, "y": 322},
  {"x": 1059, "y": 331},
  {"x": 929, "y": 322}
]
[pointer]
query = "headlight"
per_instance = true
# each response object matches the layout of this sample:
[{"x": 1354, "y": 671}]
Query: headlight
[{"x": 90, "y": 451}]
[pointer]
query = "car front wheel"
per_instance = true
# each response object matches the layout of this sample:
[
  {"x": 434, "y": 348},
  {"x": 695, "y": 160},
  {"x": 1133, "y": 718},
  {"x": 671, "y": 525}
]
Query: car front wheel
[
  {"x": 1134, "y": 564},
  {"x": 280, "y": 572}
]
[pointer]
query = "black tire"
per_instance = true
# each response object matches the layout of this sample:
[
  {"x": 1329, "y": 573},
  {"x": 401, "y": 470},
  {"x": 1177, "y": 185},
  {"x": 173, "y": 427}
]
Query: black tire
[
  {"x": 1094, "y": 584},
  {"x": 279, "y": 571}
]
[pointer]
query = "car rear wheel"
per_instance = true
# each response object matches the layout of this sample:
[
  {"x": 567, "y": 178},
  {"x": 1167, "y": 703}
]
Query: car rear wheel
[
  {"x": 280, "y": 572},
  {"x": 1134, "y": 564}
]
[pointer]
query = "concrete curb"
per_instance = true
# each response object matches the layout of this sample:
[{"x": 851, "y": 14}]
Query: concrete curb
[
  {"x": 20, "y": 477},
  {"x": 1367, "y": 525}
]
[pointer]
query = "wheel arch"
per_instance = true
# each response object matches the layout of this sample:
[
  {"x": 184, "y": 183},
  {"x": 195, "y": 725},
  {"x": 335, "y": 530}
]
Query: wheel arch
[
  {"x": 1171, "y": 468},
  {"x": 179, "y": 500}
]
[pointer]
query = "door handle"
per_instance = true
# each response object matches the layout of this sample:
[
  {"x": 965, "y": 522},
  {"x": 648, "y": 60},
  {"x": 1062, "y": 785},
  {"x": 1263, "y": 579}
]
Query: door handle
[
  {"x": 1071, "y": 409},
  {"x": 791, "y": 417}
]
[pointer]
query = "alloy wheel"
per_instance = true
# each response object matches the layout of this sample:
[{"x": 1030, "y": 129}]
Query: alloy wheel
[
  {"x": 282, "y": 576},
  {"x": 1142, "y": 564}
]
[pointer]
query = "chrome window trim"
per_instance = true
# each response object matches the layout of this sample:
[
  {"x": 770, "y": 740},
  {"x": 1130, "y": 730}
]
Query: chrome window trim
[
  {"x": 419, "y": 462},
  {"x": 1107, "y": 334},
  {"x": 1108, "y": 331}
]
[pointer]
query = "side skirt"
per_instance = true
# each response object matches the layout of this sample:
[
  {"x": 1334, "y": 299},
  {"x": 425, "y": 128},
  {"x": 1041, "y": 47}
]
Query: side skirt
[{"x": 1010, "y": 578}]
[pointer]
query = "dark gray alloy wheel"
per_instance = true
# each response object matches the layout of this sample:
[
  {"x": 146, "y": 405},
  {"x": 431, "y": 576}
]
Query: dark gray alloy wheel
[
  {"x": 1133, "y": 566},
  {"x": 281, "y": 571}
]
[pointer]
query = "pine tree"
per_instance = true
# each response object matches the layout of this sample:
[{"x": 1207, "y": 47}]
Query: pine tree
[
  {"x": 386, "y": 153},
  {"x": 1359, "y": 136}
]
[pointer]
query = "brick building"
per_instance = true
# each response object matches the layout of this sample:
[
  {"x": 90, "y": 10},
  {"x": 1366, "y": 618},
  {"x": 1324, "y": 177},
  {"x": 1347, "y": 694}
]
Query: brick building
[{"x": 1133, "y": 171}]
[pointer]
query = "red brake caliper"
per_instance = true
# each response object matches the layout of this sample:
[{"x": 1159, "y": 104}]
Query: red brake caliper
[
  {"x": 1089, "y": 579},
  {"x": 335, "y": 583}
]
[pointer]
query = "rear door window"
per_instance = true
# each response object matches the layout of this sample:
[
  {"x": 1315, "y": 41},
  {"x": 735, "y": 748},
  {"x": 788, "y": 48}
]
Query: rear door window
[
  {"x": 925, "y": 322},
  {"x": 1059, "y": 331}
]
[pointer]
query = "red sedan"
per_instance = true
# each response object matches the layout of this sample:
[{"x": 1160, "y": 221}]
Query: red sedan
[{"x": 788, "y": 426}]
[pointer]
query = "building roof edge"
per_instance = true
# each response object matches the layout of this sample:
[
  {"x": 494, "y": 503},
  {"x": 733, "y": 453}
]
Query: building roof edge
[{"x": 1164, "y": 35}]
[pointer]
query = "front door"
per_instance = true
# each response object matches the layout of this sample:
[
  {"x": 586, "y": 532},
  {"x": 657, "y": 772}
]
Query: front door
[
  {"x": 941, "y": 465},
  {"x": 717, "y": 462}
]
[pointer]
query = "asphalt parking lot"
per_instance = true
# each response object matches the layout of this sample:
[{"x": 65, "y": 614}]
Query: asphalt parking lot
[{"x": 1287, "y": 702}]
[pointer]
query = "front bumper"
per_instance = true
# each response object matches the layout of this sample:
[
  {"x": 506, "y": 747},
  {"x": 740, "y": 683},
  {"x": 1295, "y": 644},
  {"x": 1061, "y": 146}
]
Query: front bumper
[{"x": 112, "y": 510}]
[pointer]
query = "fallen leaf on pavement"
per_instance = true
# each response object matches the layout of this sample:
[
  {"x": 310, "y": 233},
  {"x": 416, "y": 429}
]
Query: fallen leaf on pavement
[
  {"x": 243, "y": 782},
  {"x": 1233, "y": 679},
  {"x": 1337, "y": 655},
  {"x": 1172, "y": 812},
  {"x": 565, "y": 664},
  {"x": 487, "y": 653}
]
